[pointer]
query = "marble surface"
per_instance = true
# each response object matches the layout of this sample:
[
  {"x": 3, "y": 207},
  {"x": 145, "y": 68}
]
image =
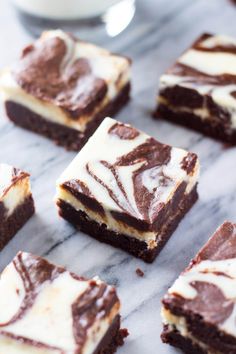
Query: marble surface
[{"x": 161, "y": 30}]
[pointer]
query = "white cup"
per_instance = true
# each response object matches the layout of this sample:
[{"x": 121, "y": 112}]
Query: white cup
[
  {"x": 65, "y": 9},
  {"x": 89, "y": 19}
]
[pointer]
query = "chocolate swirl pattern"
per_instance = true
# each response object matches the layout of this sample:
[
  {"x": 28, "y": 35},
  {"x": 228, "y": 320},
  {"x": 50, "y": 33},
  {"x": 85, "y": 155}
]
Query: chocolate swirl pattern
[
  {"x": 8, "y": 176},
  {"x": 208, "y": 286},
  {"x": 52, "y": 310},
  {"x": 129, "y": 172},
  {"x": 62, "y": 88},
  {"x": 203, "y": 82},
  {"x": 14, "y": 191},
  {"x": 50, "y": 70},
  {"x": 129, "y": 184},
  {"x": 68, "y": 73}
]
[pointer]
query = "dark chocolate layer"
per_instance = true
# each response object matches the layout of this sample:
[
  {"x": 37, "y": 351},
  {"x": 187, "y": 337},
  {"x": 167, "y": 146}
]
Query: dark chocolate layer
[
  {"x": 205, "y": 331},
  {"x": 174, "y": 338},
  {"x": 129, "y": 244},
  {"x": 214, "y": 129},
  {"x": 146, "y": 210},
  {"x": 210, "y": 308},
  {"x": 71, "y": 139},
  {"x": 112, "y": 339},
  {"x": 178, "y": 96},
  {"x": 13, "y": 223},
  {"x": 95, "y": 303},
  {"x": 164, "y": 212},
  {"x": 186, "y": 91}
]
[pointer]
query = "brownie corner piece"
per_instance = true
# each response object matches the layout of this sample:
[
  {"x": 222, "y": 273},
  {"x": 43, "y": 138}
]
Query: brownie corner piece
[
  {"x": 199, "y": 90},
  {"x": 62, "y": 88},
  {"x": 199, "y": 309},
  {"x": 127, "y": 189},
  {"x": 84, "y": 316},
  {"x": 16, "y": 201}
]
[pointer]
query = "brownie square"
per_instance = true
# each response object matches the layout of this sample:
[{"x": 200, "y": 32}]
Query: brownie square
[
  {"x": 127, "y": 189},
  {"x": 16, "y": 201},
  {"x": 199, "y": 309},
  {"x": 44, "y": 309},
  {"x": 63, "y": 88},
  {"x": 199, "y": 90}
]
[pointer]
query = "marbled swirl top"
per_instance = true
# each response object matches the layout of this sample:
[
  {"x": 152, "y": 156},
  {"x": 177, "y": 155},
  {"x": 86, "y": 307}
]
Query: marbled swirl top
[
  {"x": 208, "y": 68},
  {"x": 126, "y": 171},
  {"x": 68, "y": 73},
  {"x": 44, "y": 307},
  {"x": 208, "y": 286}
]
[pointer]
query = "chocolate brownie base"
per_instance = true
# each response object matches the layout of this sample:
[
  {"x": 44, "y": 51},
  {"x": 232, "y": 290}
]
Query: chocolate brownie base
[
  {"x": 129, "y": 244},
  {"x": 69, "y": 138},
  {"x": 216, "y": 130},
  {"x": 174, "y": 338},
  {"x": 112, "y": 339},
  {"x": 10, "y": 225},
  {"x": 204, "y": 331}
]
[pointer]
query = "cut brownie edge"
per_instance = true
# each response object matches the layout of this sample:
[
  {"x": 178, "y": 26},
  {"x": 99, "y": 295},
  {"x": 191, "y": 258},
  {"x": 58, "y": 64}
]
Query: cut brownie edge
[
  {"x": 127, "y": 243},
  {"x": 196, "y": 330},
  {"x": 173, "y": 337},
  {"x": 212, "y": 129},
  {"x": 62, "y": 135},
  {"x": 113, "y": 339},
  {"x": 200, "y": 305},
  {"x": 198, "y": 89},
  {"x": 12, "y": 224}
]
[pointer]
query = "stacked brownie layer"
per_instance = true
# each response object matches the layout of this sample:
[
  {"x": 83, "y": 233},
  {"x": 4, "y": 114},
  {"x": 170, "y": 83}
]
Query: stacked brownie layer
[
  {"x": 127, "y": 189},
  {"x": 16, "y": 202},
  {"x": 199, "y": 309},
  {"x": 63, "y": 88},
  {"x": 199, "y": 90}
]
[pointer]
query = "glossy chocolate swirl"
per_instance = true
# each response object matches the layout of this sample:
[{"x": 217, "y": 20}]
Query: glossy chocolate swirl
[
  {"x": 204, "y": 78},
  {"x": 9, "y": 175},
  {"x": 39, "y": 286},
  {"x": 206, "y": 44},
  {"x": 51, "y": 71},
  {"x": 207, "y": 288},
  {"x": 126, "y": 171},
  {"x": 95, "y": 302}
]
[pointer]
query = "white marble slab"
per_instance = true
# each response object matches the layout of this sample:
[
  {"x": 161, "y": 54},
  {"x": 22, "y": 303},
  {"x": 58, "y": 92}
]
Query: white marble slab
[{"x": 161, "y": 30}]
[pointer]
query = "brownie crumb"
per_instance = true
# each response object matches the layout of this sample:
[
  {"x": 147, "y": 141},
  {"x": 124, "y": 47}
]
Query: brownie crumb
[
  {"x": 139, "y": 272},
  {"x": 124, "y": 333}
]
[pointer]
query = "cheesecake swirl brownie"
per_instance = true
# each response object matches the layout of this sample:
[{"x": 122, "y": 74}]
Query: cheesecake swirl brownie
[
  {"x": 62, "y": 88},
  {"x": 199, "y": 90},
  {"x": 44, "y": 309},
  {"x": 200, "y": 308},
  {"x": 16, "y": 201},
  {"x": 127, "y": 189}
]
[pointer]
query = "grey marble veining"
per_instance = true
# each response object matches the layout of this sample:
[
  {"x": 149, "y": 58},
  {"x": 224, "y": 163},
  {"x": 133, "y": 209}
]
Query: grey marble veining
[{"x": 161, "y": 30}]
